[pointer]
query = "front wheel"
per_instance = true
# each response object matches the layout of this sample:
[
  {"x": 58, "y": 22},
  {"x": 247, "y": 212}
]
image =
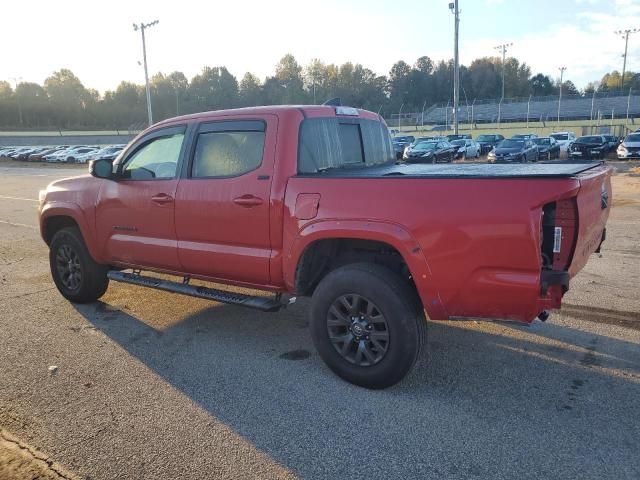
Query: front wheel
[
  {"x": 367, "y": 325},
  {"x": 78, "y": 277}
]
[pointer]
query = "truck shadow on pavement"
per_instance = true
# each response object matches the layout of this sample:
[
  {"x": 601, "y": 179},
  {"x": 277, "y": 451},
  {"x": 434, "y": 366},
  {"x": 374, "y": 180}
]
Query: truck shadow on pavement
[{"x": 506, "y": 394}]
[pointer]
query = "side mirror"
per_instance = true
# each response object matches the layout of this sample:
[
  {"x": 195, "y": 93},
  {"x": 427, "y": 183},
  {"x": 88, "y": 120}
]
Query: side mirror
[{"x": 101, "y": 168}]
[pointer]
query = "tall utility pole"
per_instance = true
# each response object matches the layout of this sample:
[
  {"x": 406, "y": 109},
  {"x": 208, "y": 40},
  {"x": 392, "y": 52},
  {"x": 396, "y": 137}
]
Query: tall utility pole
[
  {"x": 503, "y": 48},
  {"x": 453, "y": 6},
  {"x": 142, "y": 27},
  {"x": 562, "y": 69},
  {"x": 15, "y": 81},
  {"x": 625, "y": 34}
]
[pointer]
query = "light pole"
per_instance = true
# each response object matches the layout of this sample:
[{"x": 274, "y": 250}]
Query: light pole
[
  {"x": 562, "y": 69},
  {"x": 142, "y": 28},
  {"x": 503, "y": 49},
  {"x": 625, "y": 34},
  {"x": 453, "y": 6}
]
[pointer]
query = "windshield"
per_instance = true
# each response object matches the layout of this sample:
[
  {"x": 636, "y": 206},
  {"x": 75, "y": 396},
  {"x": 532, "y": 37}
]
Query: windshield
[
  {"x": 634, "y": 137},
  {"x": 520, "y": 136},
  {"x": 458, "y": 143},
  {"x": 424, "y": 146},
  {"x": 486, "y": 138},
  {"x": 401, "y": 139},
  {"x": 560, "y": 136},
  {"x": 590, "y": 139},
  {"x": 542, "y": 141},
  {"x": 511, "y": 144},
  {"x": 329, "y": 143}
]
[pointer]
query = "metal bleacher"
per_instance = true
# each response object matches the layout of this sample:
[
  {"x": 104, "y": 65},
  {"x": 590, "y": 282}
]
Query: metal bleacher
[{"x": 574, "y": 107}]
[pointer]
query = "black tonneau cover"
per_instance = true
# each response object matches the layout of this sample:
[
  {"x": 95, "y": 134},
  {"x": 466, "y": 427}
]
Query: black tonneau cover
[{"x": 457, "y": 170}]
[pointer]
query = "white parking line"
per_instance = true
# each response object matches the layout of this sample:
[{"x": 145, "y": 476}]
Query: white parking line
[
  {"x": 18, "y": 224},
  {"x": 19, "y": 198}
]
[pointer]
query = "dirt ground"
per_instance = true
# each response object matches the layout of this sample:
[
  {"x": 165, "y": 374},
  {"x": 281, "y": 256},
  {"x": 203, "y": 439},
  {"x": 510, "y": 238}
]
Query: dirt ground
[
  {"x": 150, "y": 385},
  {"x": 19, "y": 461}
]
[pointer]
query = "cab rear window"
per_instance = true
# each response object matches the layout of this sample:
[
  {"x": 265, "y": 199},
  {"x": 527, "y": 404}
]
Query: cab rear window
[{"x": 327, "y": 143}]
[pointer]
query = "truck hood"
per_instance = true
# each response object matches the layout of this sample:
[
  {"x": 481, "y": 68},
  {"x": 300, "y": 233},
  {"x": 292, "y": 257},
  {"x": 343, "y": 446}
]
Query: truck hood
[{"x": 78, "y": 190}]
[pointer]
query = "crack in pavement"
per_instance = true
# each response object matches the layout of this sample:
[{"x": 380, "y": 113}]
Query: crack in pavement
[{"x": 35, "y": 457}]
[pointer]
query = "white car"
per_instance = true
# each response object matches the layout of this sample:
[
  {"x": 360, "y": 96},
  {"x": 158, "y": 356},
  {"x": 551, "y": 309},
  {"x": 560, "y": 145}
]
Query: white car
[
  {"x": 68, "y": 155},
  {"x": 564, "y": 139},
  {"x": 630, "y": 147},
  {"x": 467, "y": 148}
]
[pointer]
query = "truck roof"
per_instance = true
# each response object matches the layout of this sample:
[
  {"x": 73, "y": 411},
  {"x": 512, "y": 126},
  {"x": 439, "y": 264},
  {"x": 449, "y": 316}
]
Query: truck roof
[{"x": 305, "y": 110}]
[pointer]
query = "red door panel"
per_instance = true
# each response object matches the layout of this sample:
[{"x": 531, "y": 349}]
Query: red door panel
[
  {"x": 222, "y": 224},
  {"x": 135, "y": 223}
]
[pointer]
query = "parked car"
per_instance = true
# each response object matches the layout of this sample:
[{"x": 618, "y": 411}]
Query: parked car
[
  {"x": 18, "y": 152},
  {"x": 488, "y": 142},
  {"x": 524, "y": 136},
  {"x": 457, "y": 137},
  {"x": 548, "y": 148},
  {"x": 83, "y": 155},
  {"x": 61, "y": 155},
  {"x": 564, "y": 139},
  {"x": 108, "y": 153},
  {"x": 589, "y": 147},
  {"x": 287, "y": 200},
  {"x": 514, "y": 150},
  {"x": 39, "y": 156},
  {"x": 70, "y": 155},
  {"x": 433, "y": 138},
  {"x": 466, "y": 148},
  {"x": 630, "y": 147},
  {"x": 430, "y": 152},
  {"x": 612, "y": 143},
  {"x": 400, "y": 143}
]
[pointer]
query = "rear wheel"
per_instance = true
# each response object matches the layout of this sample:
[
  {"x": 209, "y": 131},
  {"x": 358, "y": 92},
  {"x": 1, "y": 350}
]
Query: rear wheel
[
  {"x": 78, "y": 277},
  {"x": 367, "y": 325}
]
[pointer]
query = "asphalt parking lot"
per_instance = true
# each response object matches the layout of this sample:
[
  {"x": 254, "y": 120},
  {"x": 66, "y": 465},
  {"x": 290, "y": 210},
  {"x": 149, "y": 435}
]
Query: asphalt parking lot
[{"x": 150, "y": 385}]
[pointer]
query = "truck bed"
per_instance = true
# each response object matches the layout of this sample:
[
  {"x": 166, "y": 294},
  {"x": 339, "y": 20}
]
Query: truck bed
[{"x": 477, "y": 170}]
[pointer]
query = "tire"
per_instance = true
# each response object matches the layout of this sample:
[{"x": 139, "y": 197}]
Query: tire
[
  {"x": 76, "y": 275},
  {"x": 399, "y": 315}
]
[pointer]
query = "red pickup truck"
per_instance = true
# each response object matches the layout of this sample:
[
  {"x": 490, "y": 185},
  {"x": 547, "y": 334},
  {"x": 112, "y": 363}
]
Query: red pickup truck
[{"x": 310, "y": 201}]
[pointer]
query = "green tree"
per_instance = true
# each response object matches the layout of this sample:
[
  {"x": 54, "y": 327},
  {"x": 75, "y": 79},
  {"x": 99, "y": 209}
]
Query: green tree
[
  {"x": 67, "y": 96},
  {"x": 250, "y": 91},
  {"x": 33, "y": 104},
  {"x": 541, "y": 85},
  {"x": 289, "y": 76},
  {"x": 213, "y": 89},
  {"x": 398, "y": 85}
]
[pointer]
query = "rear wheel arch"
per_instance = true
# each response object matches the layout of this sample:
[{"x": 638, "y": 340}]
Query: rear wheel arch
[{"x": 323, "y": 256}]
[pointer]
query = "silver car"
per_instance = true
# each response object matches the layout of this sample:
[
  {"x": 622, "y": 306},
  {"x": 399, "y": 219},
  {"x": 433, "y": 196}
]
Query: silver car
[{"x": 630, "y": 147}]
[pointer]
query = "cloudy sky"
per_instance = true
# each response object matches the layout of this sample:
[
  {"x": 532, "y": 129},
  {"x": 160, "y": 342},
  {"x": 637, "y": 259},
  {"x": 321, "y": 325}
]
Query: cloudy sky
[{"x": 96, "y": 40}]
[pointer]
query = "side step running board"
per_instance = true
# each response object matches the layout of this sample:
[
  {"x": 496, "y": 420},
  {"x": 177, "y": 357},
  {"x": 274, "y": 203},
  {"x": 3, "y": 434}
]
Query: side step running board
[{"x": 258, "y": 303}]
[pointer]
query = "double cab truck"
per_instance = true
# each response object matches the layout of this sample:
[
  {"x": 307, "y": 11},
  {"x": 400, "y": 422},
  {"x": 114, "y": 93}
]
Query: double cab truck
[{"x": 309, "y": 201}]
